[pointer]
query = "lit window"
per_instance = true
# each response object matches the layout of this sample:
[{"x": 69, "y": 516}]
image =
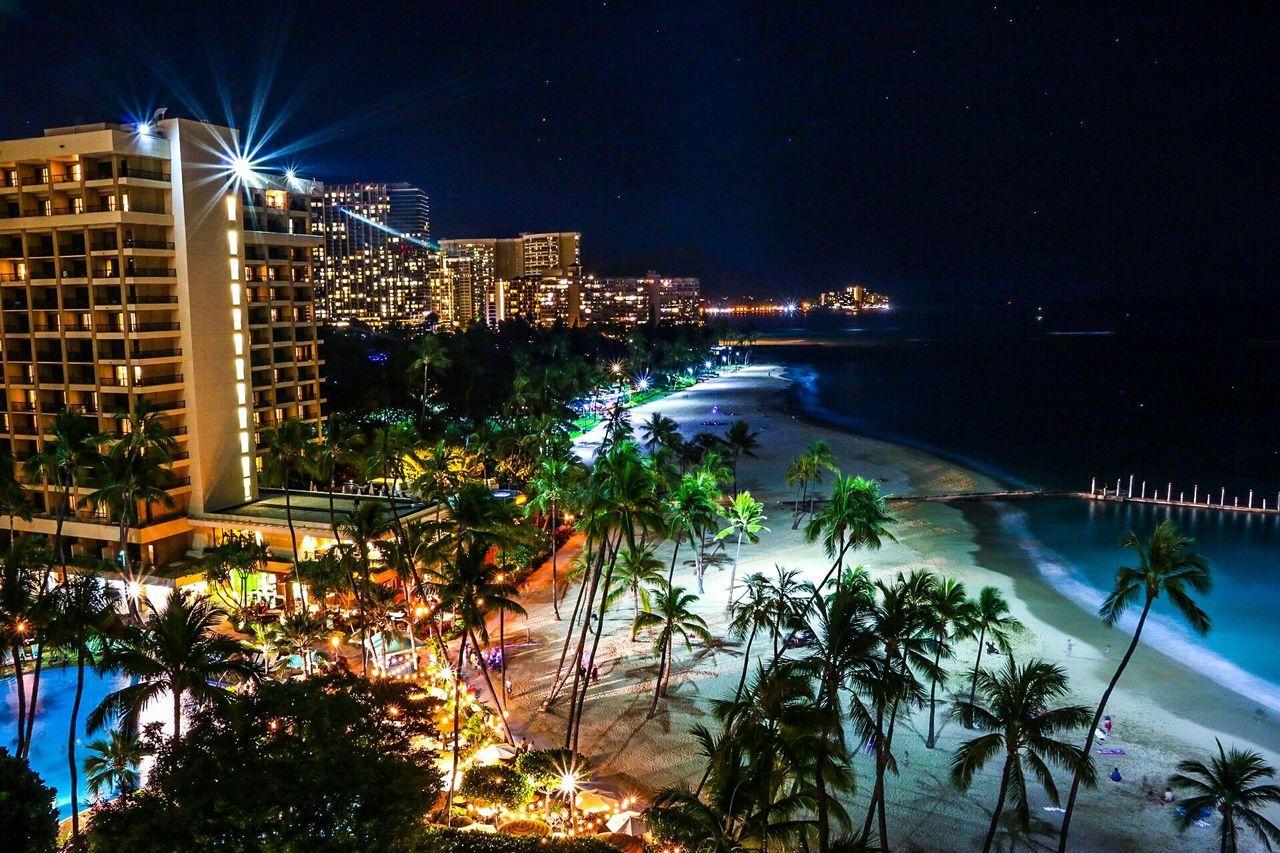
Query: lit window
[
  {"x": 236, "y": 321},
  {"x": 231, "y": 208},
  {"x": 235, "y": 294},
  {"x": 233, "y": 242}
]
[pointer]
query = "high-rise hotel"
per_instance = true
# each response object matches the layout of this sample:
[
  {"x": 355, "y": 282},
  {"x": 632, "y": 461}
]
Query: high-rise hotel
[
  {"x": 150, "y": 262},
  {"x": 497, "y": 278}
]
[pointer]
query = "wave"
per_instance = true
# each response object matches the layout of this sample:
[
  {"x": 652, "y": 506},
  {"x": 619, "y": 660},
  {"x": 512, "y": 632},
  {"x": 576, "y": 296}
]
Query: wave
[
  {"x": 804, "y": 389},
  {"x": 1159, "y": 633}
]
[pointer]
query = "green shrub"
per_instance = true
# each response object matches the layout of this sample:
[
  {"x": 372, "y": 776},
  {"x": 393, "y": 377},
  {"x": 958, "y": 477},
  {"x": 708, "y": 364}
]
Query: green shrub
[
  {"x": 546, "y": 767},
  {"x": 496, "y": 785},
  {"x": 27, "y": 816},
  {"x": 439, "y": 840}
]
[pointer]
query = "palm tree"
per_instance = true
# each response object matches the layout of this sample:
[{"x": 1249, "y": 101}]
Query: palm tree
[
  {"x": 86, "y": 615},
  {"x": 1017, "y": 725},
  {"x": 63, "y": 461},
  {"x": 750, "y": 613},
  {"x": 132, "y": 473},
  {"x": 989, "y": 617},
  {"x": 1166, "y": 565},
  {"x": 287, "y": 455},
  {"x": 746, "y": 518},
  {"x": 112, "y": 765},
  {"x": 1229, "y": 784},
  {"x": 431, "y": 354},
  {"x": 550, "y": 486},
  {"x": 338, "y": 445},
  {"x": 691, "y": 510},
  {"x": 806, "y": 470},
  {"x": 674, "y": 619},
  {"x": 740, "y": 441},
  {"x": 638, "y": 571},
  {"x": 299, "y": 634},
  {"x": 855, "y": 517},
  {"x": 946, "y": 617},
  {"x": 13, "y": 497},
  {"x": 26, "y": 608},
  {"x": 789, "y": 599},
  {"x": 660, "y": 432},
  {"x": 176, "y": 650}
]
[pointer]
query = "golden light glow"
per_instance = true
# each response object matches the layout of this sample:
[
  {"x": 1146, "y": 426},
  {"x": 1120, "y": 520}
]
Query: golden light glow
[{"x": 231, "y": 208}]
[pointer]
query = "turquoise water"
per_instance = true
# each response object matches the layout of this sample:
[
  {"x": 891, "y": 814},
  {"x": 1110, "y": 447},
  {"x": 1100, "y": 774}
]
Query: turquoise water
[
  {"x": 1075, "y": 546},
  {"x": 49, "y": 743}
]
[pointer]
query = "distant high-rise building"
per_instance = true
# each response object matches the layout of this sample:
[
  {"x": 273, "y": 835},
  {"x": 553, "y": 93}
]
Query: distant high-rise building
[
  {"x": 494, "y": 278},
  {"x": 629, "y": 301},
  {"x": 377, "y": 261}
]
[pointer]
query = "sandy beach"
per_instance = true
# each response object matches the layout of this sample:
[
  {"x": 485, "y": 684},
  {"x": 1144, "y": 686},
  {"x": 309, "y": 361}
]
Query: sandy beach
[{"x": 1163, "y": 710}]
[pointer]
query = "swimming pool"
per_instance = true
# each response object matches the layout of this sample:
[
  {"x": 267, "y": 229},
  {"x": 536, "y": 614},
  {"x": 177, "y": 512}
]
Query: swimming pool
[{"x": 49, "y": 736}]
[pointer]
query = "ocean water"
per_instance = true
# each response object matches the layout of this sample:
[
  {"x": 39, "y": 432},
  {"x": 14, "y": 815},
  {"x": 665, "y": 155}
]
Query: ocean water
[
  {"x": 1056, "y": 397},
  {"x": 49, "y": 744}
]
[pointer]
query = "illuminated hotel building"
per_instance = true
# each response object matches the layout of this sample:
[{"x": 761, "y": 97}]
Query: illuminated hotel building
[
  {"x": 138, "y": 263},
  {"x": 376, "y": 262},
  {"x": 629, "y": 301},
  {"x": 497, "y": 278}
]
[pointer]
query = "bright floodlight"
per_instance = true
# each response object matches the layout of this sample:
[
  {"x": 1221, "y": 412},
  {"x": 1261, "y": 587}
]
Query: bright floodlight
[
  {"x": 568, "y": 783},
  {"x": 143, "y": 127},
  {"x": 242, "y": 168},
  {"x": 290, "y": 175},
  {"x": 643, "y": 383}
]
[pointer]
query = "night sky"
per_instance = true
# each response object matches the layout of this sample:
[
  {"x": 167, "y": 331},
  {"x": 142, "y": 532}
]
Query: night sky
[{"x": 991, "y": 150}]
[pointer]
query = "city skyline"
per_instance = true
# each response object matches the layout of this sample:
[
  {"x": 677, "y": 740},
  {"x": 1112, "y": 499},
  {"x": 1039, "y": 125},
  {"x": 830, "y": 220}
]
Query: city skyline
[{"x": 758, "y": 150}]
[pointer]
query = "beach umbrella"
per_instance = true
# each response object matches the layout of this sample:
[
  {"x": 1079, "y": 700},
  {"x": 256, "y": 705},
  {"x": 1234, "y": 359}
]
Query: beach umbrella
[
  {"x": 506, "y": 752},
  {"x": 479, "y": 827},
  {"x": 627, "y": 823},
  {"x": 590, "y": 801},
  {"x": 625, "y": 843}
]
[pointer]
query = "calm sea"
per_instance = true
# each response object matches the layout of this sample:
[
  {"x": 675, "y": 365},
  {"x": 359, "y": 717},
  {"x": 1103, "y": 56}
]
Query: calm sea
[{"x": 1054, "y": 396}]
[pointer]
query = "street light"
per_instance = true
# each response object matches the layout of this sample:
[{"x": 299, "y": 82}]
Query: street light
[{"x": 568, "y": 787}]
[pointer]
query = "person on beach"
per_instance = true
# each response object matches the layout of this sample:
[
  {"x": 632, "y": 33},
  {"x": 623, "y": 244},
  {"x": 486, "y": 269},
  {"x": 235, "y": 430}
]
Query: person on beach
[
  {"x": 1106, "y": 724},
  {"x": 1151, "y": 796},
  {"x": 1068, "y": 647},
  {"x": 1108, "y": 651},
  {"x": 1115, "y": 774},
  {"x": 1168, "y": 795}
]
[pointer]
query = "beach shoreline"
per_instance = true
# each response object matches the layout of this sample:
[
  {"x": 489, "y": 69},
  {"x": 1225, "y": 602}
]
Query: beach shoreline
[{"x": 1164, "y": 711}]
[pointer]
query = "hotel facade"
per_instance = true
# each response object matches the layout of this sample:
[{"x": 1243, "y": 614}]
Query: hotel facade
[{"x": 151, "y": 263}]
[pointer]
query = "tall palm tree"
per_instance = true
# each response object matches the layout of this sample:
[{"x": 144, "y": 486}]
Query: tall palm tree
[
  {"x": 740, "y": 441},
  {"x": 1167, "y": 566},
  {"x": 129, "y": 475},
  {"x": 177, "y": 651},
  {"x": 752, "y": 612},
  {"x": 1229, "y": 784},
  {"x": 1017, "y": 726},
  {"x": 13, "y": 497},
  {"x": 807, "y": 470},
  {"x": 67, "y": 454},
  {"x": 338, "y": 445},
  {"x": 26, "y": 608},
  {"x": 989, "y": 617},
  {"x": 638, "y": 572},
  {"x": 660, "y": 432},
  {"x": 746, "y": 518},
  {"x": 855, "y": 517},
  {"x": 112, "y": 766},
  {"x": 86, "y": 616},
  {"x": 673, "y": 618},
  {"x": 288, "y": 454},
  {"x": 430, "y": 354},
  {"x": 790, "y": 599},
  {"x": 947, "y": 616},
  {"x": 691, "y": 510},
  {"x": 550, "y": 486}
]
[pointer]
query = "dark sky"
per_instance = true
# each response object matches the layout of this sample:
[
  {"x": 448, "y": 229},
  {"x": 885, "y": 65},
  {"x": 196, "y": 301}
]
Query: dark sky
[{"x": 998, "y": 149}]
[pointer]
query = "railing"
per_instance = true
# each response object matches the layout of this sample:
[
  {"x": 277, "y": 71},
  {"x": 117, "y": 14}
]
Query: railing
[
  {"x": 152, "y": 272},
  {"x": 158, "y": 353},
  {"x": 148, "y": 244},
  {"x": 13, "y": 305},
  {"x": 147, "y": 381},
  {"x": 127, "y": 171},
  {"x": 21, "y": 406},
  {"x": 13, "y": 276},
  {"x": 154, "y": 327}
]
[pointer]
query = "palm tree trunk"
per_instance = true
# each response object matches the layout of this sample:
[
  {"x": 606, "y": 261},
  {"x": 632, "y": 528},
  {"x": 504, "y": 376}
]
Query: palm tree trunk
[
  {"x": 22, "y": 694},
  {"x": 581, "y": 647},
  {"x": 875, "y": 792},
  {"x": 973, "y": 686},
  {"x": 453, "y": 769},
  {"x": 799, "y": 502},
  {"x": 293, "y": 540},
  {"x": 484, "y": 668},
  {"x": 657, "y": 688},
  {"x": 558, "y": 683},
  {"x": 1102, "y": 706},
  {"x": 820, "y": 782},
  {"x": 1228, "y": 843},
  {"x": 33, "y": 706},
  {"x": 932, "y": 739},
  {"x": 595, "y": 644},
  {"x": 555, "y": 598},
  {"x": 733, "y": 575},
  {"x": 671, "y": 572},
  {"x": 71, "y": 749},
  {"x": 746, "y": 663},
  {"x": 880, "y": 786},
  {"x": 177, "y": 714},
  {"x": 995, "y": 816}
]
